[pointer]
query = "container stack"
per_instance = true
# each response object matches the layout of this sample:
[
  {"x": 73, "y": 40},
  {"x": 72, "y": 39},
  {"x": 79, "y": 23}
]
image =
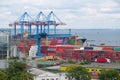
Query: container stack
[
  {"x": 76, "y": 55},
  {"x": 51, "y": 50},
  {"x": 44, "y": 49},
  {"x": 97, "y": 48},
  {"x": 45, "y": 42},
  {"x": 56, "y": 42},
  {"x": 88, "y": 54},
  {"x": 60, "y": 49},
  {"x": 24, "y": 45},
  {"x": 33, "y": 51}
]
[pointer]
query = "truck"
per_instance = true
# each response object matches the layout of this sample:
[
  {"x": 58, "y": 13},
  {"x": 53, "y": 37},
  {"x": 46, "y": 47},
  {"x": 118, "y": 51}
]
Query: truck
[{"x": 102, "y": 60}]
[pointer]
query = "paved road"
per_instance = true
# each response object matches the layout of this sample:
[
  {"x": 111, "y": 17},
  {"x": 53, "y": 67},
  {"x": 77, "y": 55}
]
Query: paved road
[{"x": 103, "y": 65}]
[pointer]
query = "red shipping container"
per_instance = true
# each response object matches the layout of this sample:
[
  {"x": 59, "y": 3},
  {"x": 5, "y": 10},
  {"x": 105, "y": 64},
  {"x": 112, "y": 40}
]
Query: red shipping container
[
  {"x": 51, "y": 54},
  {"x": 44, "y": 49},
  {"x": 60, "y": 49},
  {"x": 108, "y": 48}
]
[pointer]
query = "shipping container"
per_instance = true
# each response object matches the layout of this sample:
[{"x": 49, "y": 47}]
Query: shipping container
[
  {"x": 51, "y": 54},
  {"x": 51, "y": 49},
  {"x": 71, "y": 41},
  {"x": 56, "y": 42},
  {"x": 45, "y": 42},
  {"x": 116, "y": 49},
  {"x": 97, "y": 48},
  {"x": 44, "y": 49},
  {"x": 88, "y": 48},
  {"x": 60, "y": 50},
  {"x": 107, "y": 47}
]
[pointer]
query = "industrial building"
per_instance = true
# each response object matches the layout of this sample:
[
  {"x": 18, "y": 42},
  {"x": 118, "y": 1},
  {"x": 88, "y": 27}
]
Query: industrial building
[{"x": 4, "y": 45}]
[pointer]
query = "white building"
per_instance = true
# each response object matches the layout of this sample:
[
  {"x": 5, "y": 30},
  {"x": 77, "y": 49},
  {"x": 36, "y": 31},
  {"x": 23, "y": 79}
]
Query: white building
[{"x": 44, "y": 75}]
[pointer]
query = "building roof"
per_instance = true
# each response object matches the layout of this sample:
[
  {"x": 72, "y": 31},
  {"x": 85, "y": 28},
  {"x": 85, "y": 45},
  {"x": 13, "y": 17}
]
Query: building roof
[
  {"x": 39, "y": 72},
  {"x": 53, "y": 67},
  {"x": 44, "y": 62}
]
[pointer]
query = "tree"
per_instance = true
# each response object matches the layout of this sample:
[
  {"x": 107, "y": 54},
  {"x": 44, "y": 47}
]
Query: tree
[
  {"x": 78, "y": 73},
  {"x": 109, "y": 75},
  {"x": 17, "y": 71},
  {"x": 3, "y": 75}
]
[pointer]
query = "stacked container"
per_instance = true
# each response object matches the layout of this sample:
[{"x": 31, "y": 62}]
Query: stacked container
[
  {"x": 56, "y": 42},
  {"x": 97, "y": 48},
  {"x": 44, "y": 49},
  {"x": 24, "y": 45},
  {"x": 60, "y": 49},
  {"x": 88, "y": 54},
  {"x": 33, "y": 51},
  {"x": 51, "y": 50},
  {"x": 107, "y": 48}
]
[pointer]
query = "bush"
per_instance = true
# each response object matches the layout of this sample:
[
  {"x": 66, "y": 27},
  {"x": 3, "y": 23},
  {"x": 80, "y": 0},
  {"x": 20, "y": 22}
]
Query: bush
[
  {"x": 85, "y": 62},
  {"x": 71, "y": 62}
]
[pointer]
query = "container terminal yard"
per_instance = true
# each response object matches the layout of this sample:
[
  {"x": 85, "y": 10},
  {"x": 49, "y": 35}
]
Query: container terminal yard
[{"x": 39, "y": 38}]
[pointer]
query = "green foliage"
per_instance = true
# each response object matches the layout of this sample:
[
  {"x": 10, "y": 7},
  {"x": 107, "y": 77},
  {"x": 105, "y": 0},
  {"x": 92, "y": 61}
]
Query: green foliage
[
  {"x": 85, "y": 62},
  {"x": 109, "y": 75},
  {"x": 71, "y": 62},
  {"x": 22, "y": 76},
  {"x": 3, "y": 75},
  {"x": 78, "y": 73},
  {"x": 16, "y": 66},
  {"x": 17, "y": 71},
  {"x": 62, "y": 62}
]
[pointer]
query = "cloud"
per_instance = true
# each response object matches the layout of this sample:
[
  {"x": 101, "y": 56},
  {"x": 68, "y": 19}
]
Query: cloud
[
  {"x": 84, "y": 13},
  {"x": 89, "y": 11},
  {"x": 109, "y": 4},
  {"x": 106, "y": 10},
  {"x": 71, "y": 16}
]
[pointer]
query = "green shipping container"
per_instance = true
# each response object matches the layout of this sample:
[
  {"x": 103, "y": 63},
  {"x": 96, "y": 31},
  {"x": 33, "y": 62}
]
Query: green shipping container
[
  {"x": 71, "y": 41},
  {"x": 116, "y": 49}
]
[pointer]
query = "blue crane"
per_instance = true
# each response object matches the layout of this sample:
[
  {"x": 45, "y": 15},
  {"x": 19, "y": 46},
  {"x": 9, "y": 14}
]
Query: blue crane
[{"x": 43, "y": 22}]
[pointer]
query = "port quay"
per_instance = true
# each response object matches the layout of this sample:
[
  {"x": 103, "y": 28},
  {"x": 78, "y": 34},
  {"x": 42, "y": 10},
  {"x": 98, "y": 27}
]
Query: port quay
[{"x": 39, "y": 42}]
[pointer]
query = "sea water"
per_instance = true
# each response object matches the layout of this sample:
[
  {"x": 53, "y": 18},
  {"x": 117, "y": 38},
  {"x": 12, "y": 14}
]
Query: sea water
[
  {"x": 99, "y": 36},
  {"x": 109, "y": 37}
]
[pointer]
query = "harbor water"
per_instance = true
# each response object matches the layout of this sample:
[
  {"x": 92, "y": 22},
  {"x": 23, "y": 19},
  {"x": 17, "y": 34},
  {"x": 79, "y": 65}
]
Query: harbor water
[{"x": 98, "y": 36}]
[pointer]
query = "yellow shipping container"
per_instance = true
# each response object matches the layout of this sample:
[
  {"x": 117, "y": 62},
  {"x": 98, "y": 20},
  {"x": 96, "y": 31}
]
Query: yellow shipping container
[{"x": 48, "y": 57}]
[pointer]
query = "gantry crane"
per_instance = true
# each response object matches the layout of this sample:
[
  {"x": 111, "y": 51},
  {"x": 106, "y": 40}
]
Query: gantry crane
[{"x": 42, "y": 24}]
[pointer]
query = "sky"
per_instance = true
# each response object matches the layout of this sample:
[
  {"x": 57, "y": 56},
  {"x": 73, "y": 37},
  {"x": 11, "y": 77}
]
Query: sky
[{"x": 77, "y": 14}]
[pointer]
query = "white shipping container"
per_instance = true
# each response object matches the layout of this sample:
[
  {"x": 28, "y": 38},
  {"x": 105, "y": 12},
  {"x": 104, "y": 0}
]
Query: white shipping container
[
  {"x": 82, "y": 48},
  {"x": 33, "y": 51},
  {"x": 97, "y": 48}
]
